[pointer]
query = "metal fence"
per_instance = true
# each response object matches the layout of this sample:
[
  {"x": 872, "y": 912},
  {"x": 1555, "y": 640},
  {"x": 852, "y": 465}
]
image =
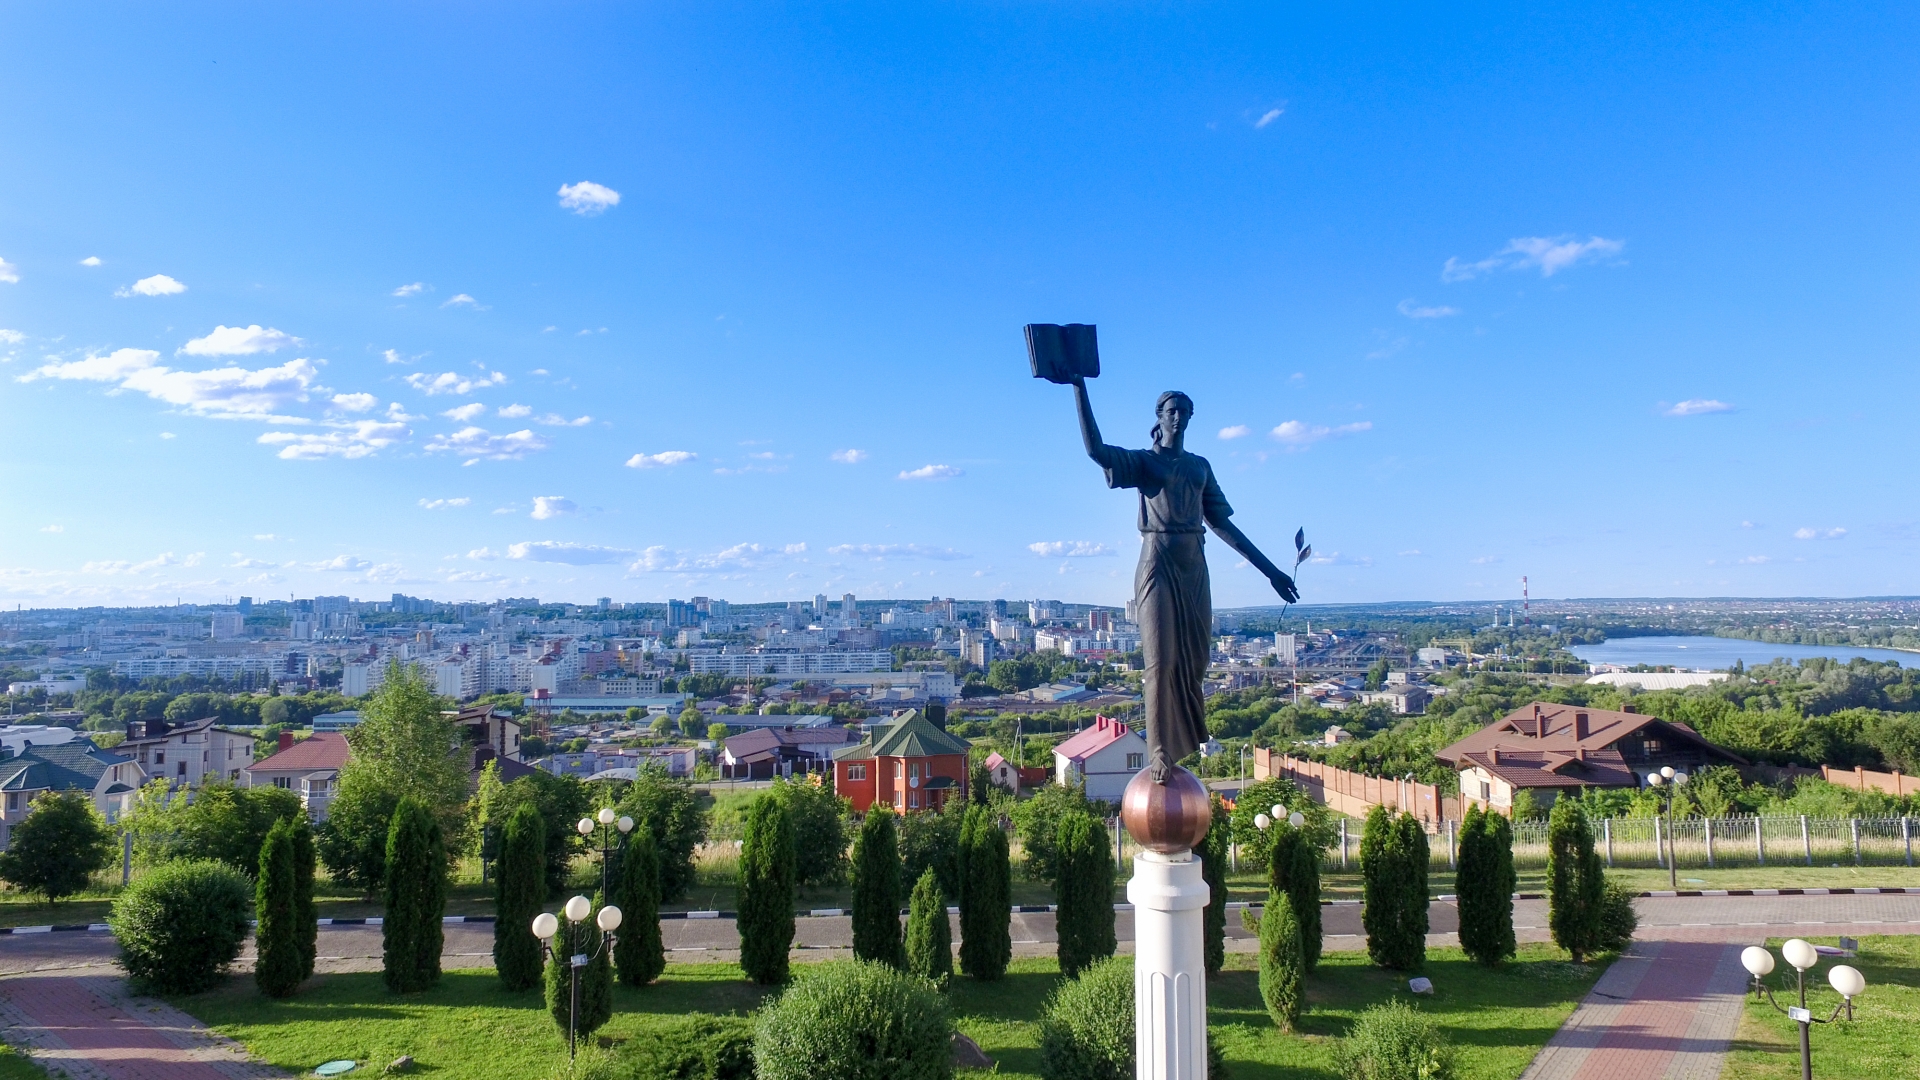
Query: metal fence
[{"x": 1734, "y": 841}]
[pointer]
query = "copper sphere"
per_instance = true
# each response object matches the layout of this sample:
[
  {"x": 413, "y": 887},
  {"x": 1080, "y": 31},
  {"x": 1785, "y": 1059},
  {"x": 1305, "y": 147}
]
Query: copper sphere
[{"x": 1169, "y": 817}]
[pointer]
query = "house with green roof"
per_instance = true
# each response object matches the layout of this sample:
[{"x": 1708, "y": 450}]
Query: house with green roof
[
  {"x": 909, "y": 763},
  {"x": 111, "y": 780}
]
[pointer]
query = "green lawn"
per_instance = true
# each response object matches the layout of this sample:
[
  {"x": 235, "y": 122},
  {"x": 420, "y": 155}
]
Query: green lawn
[
  {"x": 468, "y": 1027},
  {"x": 1882, "y": 1041},
  {"x": 16, "y": 1066}
]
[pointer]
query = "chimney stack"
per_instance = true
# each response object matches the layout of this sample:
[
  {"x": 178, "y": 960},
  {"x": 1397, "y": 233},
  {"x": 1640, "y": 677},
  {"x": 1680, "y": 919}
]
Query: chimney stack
[
  {"x": 1630, "y": 707},
  {"x": 286, "y": 741},
  {"x": 1539, "y": 722},
  {"x": 1580, "y": 728},
  {"x": 1493, "y": 756}
]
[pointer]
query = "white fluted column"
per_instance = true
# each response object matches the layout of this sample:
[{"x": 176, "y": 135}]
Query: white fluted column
[{"x": 1168, "y": 895}]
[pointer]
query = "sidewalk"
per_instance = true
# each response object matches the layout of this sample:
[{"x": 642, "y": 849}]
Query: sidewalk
[
  {"x": 1664, "y": 1011},
  {"x": 89, "y": 1028}
]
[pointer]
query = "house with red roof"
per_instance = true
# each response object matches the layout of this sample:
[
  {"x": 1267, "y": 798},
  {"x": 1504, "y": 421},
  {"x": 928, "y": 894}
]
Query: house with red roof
[
  {"x": 310, "y": 768},
  {"x": 1105, "y": 756},
  {"x": 1547, "y": 748},
  {"x": 1014, "y": 778}
]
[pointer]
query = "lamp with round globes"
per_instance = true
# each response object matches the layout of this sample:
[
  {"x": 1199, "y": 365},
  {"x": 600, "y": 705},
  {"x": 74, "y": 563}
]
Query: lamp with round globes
[
  {"x": 1667, "y": 778},
  {"x": 613, "y": 829},
  {"x": 1666, "y": 771},
  {"x": 1261, "y": 821},
  {"x": 606, "y": 815},
  {"x": 585, "y": 826},
  {"x": 1297, "y": 819},
  {"x": 609, "y": 918},
  {"x": 1278, "y": 811},
  {"x": 1845, "y": 980},
  {"x": 625, "y": 824},
  {"x": 578, "y": 909},
  {"x": 546, "y": 927}
]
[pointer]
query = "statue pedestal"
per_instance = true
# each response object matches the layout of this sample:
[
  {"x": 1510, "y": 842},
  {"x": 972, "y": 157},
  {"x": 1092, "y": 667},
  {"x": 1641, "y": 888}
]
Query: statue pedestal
[{"x": 1169, "y": 966}]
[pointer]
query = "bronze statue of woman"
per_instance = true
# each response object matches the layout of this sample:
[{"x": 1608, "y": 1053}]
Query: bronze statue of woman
[{"x": 1179, "y": 500}]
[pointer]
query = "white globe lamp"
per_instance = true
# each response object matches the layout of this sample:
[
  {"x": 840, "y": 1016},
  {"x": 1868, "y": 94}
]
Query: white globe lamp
[{"x": 578, "y": 908}]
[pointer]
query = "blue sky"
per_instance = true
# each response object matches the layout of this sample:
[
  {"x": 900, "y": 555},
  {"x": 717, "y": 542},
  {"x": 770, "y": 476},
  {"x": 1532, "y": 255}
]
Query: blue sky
[{"x": 660, "y": 300}]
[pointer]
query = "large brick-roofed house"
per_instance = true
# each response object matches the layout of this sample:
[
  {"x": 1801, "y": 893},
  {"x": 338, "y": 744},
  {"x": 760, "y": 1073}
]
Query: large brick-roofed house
[
  {"x": 1546, "y": 748},
  {"x": 110, "y": 779},
  {"x": 909, "y": 764}
]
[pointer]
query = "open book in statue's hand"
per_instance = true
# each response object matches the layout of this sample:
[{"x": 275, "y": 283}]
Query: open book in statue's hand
[{"x": 1061, "y": 353}]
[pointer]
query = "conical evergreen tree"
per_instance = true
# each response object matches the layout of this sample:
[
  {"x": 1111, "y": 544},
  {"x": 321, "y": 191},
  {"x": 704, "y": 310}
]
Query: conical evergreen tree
[
  {"x": 306, "y": 917},
  {"x": 519, "y": 892},
  {"x": 929, "y": 938},
  {"x": 416, "y": 886},
  {"x": 1282, "y": 964},
  {"x": 595, "y": 1005},
  {"x": 639, "y": 956},
  {"x": 986, "y": 885},
  {"x": 876, "y": 891},
  {"x": 1303, "y": 889},
  {"x": 1213, "y": 869},
  {"x": 1083, "y": 892},
  {"x": 1393, "y": 864},
  {"x": 767, "y": 892},
  {"x": 276, "y": 905},
  {"x": 1486, "y": 881},
  {"x": 1576, "y": 883}
]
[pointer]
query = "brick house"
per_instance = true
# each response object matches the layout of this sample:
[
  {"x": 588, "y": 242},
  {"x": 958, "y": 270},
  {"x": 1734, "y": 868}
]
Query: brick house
[
  {"x": 188, "y": 754},
  {"x": 909, "y": 764},
  {"x": 310, "y": 768}
]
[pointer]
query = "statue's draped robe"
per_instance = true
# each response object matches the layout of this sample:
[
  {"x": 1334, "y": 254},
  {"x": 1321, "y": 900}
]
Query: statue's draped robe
[{"x": 1174, "y": 601}]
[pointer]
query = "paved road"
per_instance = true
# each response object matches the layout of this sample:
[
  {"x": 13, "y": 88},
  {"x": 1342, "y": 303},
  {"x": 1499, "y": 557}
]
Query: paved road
[{"x": 1744, "y": 919}]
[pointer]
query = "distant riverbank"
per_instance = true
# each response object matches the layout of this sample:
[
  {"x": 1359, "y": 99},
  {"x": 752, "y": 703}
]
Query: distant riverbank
[{"x": 1719, "y": 653}]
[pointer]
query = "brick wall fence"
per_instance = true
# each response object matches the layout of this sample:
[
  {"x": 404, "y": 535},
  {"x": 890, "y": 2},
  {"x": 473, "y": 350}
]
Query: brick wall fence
[{"x": 1352, "y": 793}]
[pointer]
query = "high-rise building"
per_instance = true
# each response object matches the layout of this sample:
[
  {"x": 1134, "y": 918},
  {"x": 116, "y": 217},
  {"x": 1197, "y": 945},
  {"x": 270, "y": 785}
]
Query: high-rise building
[
  {"x": 245, "y": 606},
  {"x": 605, "y": 603},
  {"x": 849, "y": 610},
  {"x": 820, "y": 606},
  {"x": 1284, "y": 648},
  {"x": 228, "y": 625}
]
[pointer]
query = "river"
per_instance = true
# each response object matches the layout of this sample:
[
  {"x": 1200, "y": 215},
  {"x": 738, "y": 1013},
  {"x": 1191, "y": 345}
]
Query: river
[{"x": 1719, "y": 653}]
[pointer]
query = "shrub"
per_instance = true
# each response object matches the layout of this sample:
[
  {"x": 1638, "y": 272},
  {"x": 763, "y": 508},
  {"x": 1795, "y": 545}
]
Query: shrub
[
  {"x": 766, "y": 892},
  {"x": 929, "y": 938},
  {"x": 930, "y": 840},
  {"x": 595, "y": 1004},
  {"x": 876, "y": 891},
  {"x": 1393, "y": 864},
  {"x": 1282, "y": 961},
  {"x": 1087, "y": 1030},
  {"x": 57, "y": 847},
  {"x": 416, "y": 881},
  {"x": 519, "y": 892},
  {"x": 1213, "y": 869},
  {"x": 986, "y": 896},
  {"x": 819, "y": 819},
  {"x": 591, "y": 1063},
  {"x": 855, "y": 1021},
  {"x": 639, "y": 955},
  {"x": 181, "y": 923},
  {"x": 1486, "y": 881},
  {"x": 1294, "y": 868},
  {"x": 306, "y": 916},
  {"x": 1617, "y": 918},
  {"x": 1083, "y": 892},
  {"x": 282, "y": 960},
  {"x": 698, "y": 1047},
  {"x": 1038, "y": 820},
  {"x": 352, "y": 842},
  {"x": 1394, "y": 1042},
  {"x": 1576, "y": 882},
  {"x": 672, "y": 812}
]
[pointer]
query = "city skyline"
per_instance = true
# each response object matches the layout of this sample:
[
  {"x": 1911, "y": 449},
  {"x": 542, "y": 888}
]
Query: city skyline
[{"x": 1606, "y": 299}]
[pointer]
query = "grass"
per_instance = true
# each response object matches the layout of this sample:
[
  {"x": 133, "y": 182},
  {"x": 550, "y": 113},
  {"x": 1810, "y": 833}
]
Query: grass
[
  {"x": 469, "y": 1027},
  {"x": 1882, "y": 1040},
  {"x": 17, "y": 1066}
]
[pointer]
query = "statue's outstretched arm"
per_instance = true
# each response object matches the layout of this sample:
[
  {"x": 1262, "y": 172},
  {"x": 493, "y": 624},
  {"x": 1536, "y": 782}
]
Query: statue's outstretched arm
[
  {"x": 1089, "y": 428},
  {"x": 1225, "y": 529}
]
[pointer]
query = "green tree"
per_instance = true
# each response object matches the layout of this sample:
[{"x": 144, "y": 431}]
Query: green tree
[
  {"x": 691, "y": 726},
  {"x": 766, "y": 892},
  {"x": 1486, "y": 880},
  {"x": 519, "y": 892},
  {"x": 717, "y": 732},
  {"x": 352, "y": 842},
  {"x": 662, "y": 726},
  {"x": 639, "y": 954},
  {"x": 1083, "y": 892},
  {"x": 58, "y": 847},
  {"x": 876, "y": 890},
  {"x": 282, "y": 959},
  {"x": 1393, "y": 866},
  {"x": 219, "y": 821},
  {"x": 929, "y": 938},
  {"x": 1302, "y": 883},
  {"x": 594, "y": 1005},
  {"x": 306, "y": 915},
  {"x": 672, "y": 813},
  {"x": 930, "y": 840},
  {"x": 986, "y": 884},
  {"x": 1038, "y": 821},
  {"x": 405, "y": 746},
  {"x": 819, "y": 819},
  {"x": 1576, "y": 882},
  {"x": 1213, "y": 870},
  {"x": 1283, "y": 963},
  {"x": 416, "y": 883}
]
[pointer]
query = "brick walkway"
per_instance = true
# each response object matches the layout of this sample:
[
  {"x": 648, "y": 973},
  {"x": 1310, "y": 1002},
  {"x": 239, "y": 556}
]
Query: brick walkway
[
  {"x": 89, "y": 1028},
  {"x": 1665, "y": 1011}
]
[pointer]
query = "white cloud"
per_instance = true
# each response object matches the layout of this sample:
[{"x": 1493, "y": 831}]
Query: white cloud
[
  {"x": 484, "y": 554},
  {"x": 1268, "y": 117},
  {"x": 112, "y": 367},
  {"x": 266, "y": 536},
  {"x": 452, "y": 382},
  {"x": 393, "y": 356},
  {"x": 565, "y": 551},
  {"x": 475, "y": 577},
  {"x": 1484, "y": 560},
  {"x": 239, "y": 341},
  {"x": 166, "y": 434},
  {"x": 514, "y": 412},
  {"x": 228, "y": 393},
  {"x": 1414, "y": 311},
  {"x": 1298, "y": 434},
  {"x": 355, "y": 402},
  {"x": 399, "y": 415},
  {"x": 341, "y": 563},
  {"x": 91, "y": 260},
  {"x": 1550, "y": 254},
  {"x": 1755, "y": 560},
  {"x": 1069, "y": 549},
  {"x": 587, "y": 198},
  {"x": 661, "y": 460},
  {"x": 1337, "y": 559},
  {"x": 477, "y": 444},
  {"x": 556, "y": 420},
  {"x": 930, "y": 472},
  {"x": 1237, "y": 431},
  {"x": 9, "y": 272},
  {"x": 465, "y": 412},
  {"x": 358, "y": 439},
  {"x": 463, "y": 300},
  {"x": 436, "y": 504},
  {"x": 414, "y": 289},
  {"x": 157, "y": 285},
  {"x": 662, "y": 560},
  {"x": 882, "y": 552},
  {"x": 122, "y": 566},
  {"x": 1818, "y": 534},
  {"x": 1699, "y": 407},
  {"x": 849, "y": 457},
  {"x": 11, "y": 337},
  {"x": 54, "y": 529},
  {"x": 1411, "y": 553},
  {"x": 242, "y": 562},
  {"x": 546, "y": 507}
]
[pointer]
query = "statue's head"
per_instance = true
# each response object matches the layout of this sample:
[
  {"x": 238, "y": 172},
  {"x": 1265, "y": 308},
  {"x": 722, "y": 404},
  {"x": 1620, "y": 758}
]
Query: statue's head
[{"x": 1171, "y": 414}]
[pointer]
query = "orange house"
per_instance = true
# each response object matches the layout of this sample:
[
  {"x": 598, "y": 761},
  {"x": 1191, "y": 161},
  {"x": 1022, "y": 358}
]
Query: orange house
[{"x": 909, "y": 764}]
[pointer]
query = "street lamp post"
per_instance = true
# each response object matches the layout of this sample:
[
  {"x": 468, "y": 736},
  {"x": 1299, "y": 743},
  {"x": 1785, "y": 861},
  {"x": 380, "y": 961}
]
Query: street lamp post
[
  {"x": 606, "y": 825},
  {"x": 1671, "y": 780},
  {"x": 1263, "y": 822},
  {"x": 545, "y": 926},
  {"x": 1847, "y": 981}
]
